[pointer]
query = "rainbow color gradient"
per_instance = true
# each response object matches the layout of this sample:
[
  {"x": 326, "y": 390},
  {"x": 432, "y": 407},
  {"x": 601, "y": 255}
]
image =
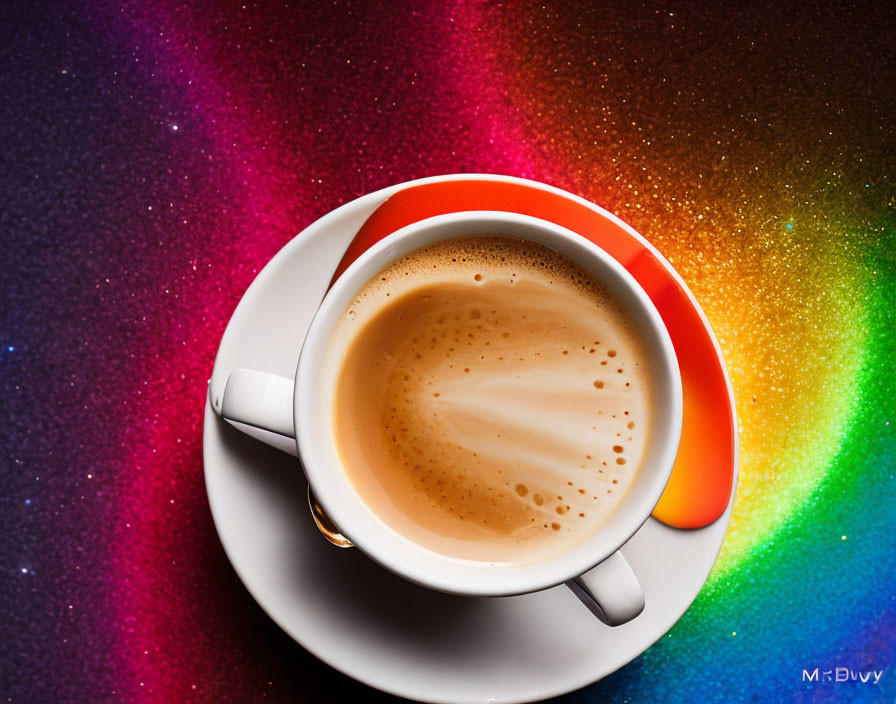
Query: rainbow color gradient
[{"x": 156, "y": 156}]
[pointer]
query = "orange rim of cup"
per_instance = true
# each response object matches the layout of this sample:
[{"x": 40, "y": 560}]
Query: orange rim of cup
[{"x": 700, "y": 485}]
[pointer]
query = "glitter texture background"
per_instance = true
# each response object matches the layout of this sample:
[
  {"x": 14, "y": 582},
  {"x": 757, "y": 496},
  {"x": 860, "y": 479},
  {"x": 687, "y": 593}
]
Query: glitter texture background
[{"x": 156, "y": 155}]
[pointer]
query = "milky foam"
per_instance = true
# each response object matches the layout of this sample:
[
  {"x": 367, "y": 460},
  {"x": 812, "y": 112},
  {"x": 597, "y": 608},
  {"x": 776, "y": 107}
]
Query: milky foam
[{"x": 492, "y": 404}]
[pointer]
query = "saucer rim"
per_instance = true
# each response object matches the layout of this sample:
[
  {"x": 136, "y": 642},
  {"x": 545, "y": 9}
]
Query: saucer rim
[{"x": 393, "y": 685}]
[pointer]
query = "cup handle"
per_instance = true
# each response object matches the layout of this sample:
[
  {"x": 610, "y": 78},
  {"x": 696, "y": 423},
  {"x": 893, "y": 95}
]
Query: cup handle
[
  {"x": 611, "y": 591},
  {"x": 260, "y": 404}
]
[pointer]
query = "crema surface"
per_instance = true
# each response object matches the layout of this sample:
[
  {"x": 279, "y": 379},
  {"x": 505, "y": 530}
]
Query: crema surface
[{"x": 492, "y": 403}]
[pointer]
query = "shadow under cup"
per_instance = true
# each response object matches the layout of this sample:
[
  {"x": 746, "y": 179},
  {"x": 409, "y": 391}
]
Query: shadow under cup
[{"x": 314, "y": 397}]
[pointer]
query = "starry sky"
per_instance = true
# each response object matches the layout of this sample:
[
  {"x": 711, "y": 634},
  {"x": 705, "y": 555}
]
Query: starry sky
[{"x": 156, "y": 155}]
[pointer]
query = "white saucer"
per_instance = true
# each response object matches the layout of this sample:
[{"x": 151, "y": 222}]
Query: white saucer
[{"x": 356, "y": 616}]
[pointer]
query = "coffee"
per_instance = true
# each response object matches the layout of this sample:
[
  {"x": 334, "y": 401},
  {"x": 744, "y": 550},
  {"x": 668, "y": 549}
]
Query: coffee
[{"x": 491, "y": 403}]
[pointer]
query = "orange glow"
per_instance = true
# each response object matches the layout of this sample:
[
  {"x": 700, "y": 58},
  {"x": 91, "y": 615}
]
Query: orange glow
[{"x": 701, "y": 481}]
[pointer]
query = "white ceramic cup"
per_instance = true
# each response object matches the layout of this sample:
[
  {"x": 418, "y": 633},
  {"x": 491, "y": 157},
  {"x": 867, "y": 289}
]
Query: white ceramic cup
[{"x": 300, "y": 410}]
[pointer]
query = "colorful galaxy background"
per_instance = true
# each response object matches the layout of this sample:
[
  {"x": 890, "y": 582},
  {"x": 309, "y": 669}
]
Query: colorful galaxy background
[{"x": 155, "y": 155}]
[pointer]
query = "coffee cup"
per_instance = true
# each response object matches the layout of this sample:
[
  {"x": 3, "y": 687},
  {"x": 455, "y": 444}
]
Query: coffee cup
[{"x": 553, "y": 550}]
